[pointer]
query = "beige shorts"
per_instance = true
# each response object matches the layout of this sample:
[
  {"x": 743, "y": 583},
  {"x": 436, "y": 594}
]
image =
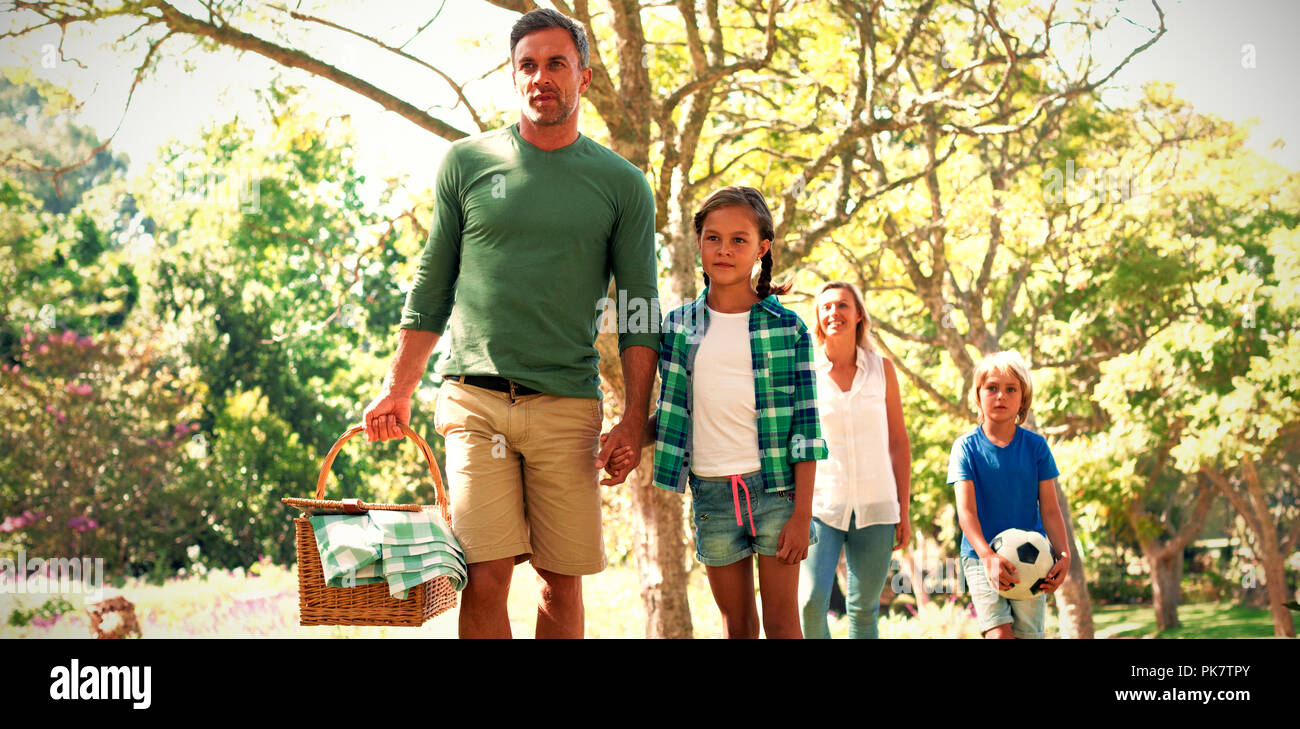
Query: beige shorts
[{"x": 522, "y": 477}]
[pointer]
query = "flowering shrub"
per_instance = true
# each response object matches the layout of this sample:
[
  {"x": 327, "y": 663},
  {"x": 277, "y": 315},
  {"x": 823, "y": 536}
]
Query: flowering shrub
[{"x": 88, "y": 435}]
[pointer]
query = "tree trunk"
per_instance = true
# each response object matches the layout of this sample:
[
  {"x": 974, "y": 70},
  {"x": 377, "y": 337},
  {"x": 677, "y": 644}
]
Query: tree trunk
[
  {"x": 1272, "y": 557},
  {"x": 1166, "y": 566},
  {"x": 1275, "y": 584},
  {"x": 659, "y": 552},
  {"x": 659, "y": 538},
  {"x": 1253, "y": 507},
  {"x": 1073, "y": 603}
]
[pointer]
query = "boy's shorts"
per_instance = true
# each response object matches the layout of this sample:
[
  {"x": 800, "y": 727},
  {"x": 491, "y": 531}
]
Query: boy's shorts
[
  {"x": 522, "y": 478},
  {"x": 719, "y": 540},
  {"x": 1027, "y": 617}
]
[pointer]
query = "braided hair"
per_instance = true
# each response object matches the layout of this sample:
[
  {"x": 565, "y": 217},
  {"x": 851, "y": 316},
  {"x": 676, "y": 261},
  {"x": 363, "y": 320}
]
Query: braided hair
[{"x": 747, "y": 197}]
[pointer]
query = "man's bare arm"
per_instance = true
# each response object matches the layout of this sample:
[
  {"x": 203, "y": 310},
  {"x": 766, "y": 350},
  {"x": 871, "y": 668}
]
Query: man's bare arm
[
  {"x": 638, "y": 375},
  {"x": 393, "y": 405}
]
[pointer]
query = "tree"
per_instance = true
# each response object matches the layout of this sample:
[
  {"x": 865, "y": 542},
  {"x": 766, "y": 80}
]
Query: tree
[
  {"x": 790, "y": 97},
  {"x": 1214, "y": 392},
  {"x": 1021, "y": 250},
  {"x": 56, "y": 161},
  {"x": 259, "y": 288},
  {"x": 92, "y": 441}
]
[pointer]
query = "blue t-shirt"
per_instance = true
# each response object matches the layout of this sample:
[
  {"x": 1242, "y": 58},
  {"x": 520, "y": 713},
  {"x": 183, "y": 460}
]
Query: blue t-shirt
[{"x": 1006, "y": 480}]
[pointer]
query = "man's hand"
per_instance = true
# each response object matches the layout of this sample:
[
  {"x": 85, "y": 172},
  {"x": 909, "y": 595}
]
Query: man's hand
[
  {"x": 621, "y": 449},
  {"x": 618, "y": 460},
  {"x": 383, "y": 414}
]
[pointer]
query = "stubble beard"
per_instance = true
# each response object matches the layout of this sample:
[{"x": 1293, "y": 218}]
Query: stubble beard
[{"x": 563, "y": 111}]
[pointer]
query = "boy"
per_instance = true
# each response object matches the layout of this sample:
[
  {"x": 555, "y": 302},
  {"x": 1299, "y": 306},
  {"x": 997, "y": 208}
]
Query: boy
[{"x": 1005, "y": 478}]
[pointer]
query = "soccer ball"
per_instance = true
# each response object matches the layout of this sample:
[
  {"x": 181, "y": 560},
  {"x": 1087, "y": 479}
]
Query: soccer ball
[{"x": 1031, "y": 554}]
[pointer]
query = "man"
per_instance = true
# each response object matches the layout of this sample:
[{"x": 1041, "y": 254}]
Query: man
[{"x": 530, "y": 222}]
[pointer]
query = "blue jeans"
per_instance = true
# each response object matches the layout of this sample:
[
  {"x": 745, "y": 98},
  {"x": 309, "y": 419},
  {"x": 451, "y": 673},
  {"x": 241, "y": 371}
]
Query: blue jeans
[{"x": 867, "y": 552}]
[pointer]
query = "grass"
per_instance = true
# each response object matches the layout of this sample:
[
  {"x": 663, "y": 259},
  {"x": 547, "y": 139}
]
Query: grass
[
  {"x": 1199, "y": 620},
  {"x": 263, "y": 602}
]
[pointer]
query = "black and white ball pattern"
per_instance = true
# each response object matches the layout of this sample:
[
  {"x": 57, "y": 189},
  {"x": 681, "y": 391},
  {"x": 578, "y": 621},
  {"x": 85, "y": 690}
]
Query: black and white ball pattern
[{"x": 1031, "y": 554}]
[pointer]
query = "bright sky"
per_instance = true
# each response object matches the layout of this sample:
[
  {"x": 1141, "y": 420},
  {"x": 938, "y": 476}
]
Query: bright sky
[{"x": 1206, "y": 53}]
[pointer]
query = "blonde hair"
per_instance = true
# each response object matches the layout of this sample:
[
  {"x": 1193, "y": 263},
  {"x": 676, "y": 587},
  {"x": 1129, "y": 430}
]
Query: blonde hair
[
  {"x": 864, "y": 323},
  {"x": 1008, "y": 362}
]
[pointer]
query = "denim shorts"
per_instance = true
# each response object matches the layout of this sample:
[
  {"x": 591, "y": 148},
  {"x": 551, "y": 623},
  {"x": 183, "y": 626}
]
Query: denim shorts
[
  {"x": 1027, "y": 617},
  {"x": 719, "y": 540}
]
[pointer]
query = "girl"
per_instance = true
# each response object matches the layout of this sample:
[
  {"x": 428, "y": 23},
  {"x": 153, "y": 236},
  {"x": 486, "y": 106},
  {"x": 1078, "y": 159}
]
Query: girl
[
  {"x": 737, "y": 419},
  {"x": 861, "y": 503}
]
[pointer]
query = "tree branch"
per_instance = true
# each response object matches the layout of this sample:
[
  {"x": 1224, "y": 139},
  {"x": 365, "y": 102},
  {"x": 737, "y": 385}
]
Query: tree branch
[
  {"x": 460, "y": 91},
  {"x": 180, "y": 22}
]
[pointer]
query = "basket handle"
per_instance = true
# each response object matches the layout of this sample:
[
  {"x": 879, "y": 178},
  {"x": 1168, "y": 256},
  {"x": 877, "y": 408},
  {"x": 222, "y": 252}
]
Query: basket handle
[{"x": 424, "y": 448}]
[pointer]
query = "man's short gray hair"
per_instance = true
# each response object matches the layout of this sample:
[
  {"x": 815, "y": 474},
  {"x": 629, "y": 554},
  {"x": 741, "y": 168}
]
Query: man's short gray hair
[{"x": 544, "y": 18}]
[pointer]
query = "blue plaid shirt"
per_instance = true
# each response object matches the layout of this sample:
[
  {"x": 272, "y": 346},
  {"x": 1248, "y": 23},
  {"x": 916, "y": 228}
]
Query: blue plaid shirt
[{"x": 785, "y": 392}]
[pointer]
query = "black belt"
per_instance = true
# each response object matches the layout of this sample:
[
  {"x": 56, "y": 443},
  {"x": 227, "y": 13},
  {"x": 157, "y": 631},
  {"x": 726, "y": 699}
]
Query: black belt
[{"x": 489, "y": 382}]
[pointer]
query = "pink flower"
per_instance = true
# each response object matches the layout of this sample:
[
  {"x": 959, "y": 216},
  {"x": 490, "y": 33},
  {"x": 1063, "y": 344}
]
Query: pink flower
[
  {"x": 85, "y": 342},
  {"x": 43, "y": 349},
  {"x": 69, "y": 336},
  {"x": 82, "y": 523},
  {"x": 18, "y": 522},
  {"x": 81, "y": 389}
]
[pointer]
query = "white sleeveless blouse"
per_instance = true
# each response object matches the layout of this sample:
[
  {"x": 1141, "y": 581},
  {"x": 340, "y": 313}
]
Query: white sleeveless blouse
[{"x": 858, "y": 477}]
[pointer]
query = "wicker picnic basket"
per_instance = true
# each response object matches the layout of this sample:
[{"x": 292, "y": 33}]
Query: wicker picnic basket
[{"x": 369, "y": 604}]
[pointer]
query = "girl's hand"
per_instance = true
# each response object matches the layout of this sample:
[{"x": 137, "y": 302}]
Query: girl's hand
[
  {"x": 1060, "y": 570},
  {"x": 792, "y": 544},
  {"x": 1002, "y": 574}
]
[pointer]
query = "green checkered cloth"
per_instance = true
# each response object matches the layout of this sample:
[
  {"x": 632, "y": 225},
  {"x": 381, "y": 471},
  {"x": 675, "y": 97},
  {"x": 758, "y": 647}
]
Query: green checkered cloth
[{"x": 401, "y": 548}]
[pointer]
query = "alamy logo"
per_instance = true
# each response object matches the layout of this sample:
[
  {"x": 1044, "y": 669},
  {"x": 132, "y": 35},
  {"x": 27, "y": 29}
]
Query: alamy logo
[
  {"x": 627, "y": 315},
  {"x": 95, "y": 683},
  {"x": 798, "y": 444},
  {"x": 62, "y": 575}
]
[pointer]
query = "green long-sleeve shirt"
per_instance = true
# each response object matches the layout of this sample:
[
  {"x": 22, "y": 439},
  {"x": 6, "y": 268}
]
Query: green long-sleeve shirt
[{"x": 519, "y": 258}]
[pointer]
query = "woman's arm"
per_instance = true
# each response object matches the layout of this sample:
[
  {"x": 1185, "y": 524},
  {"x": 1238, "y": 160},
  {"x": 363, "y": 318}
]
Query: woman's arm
[{"x": 900, "y": 454}]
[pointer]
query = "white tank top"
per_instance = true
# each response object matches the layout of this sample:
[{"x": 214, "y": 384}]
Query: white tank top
[
  {"x": 858, "y": 477},
  {"x": 724, "y": 418}
]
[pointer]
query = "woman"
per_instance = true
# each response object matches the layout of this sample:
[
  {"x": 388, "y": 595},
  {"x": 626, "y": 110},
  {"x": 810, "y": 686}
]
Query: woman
[{"x": 860, "y": 503}]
